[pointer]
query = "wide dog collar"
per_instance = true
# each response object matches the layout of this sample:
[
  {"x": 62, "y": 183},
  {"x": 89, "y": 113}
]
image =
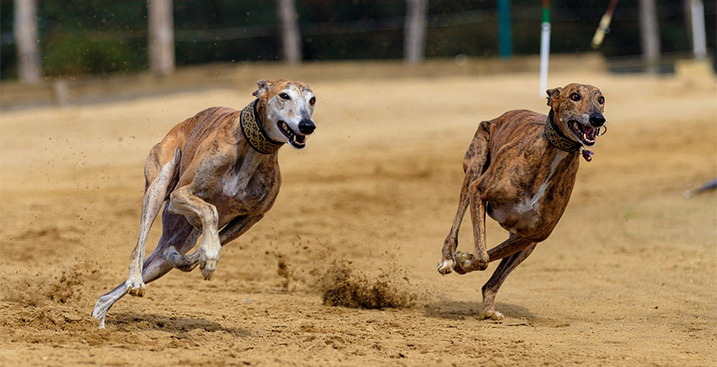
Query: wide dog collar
[
  {"x": 254, "y": 133},
  {"x": 557, "y": 138},
  {"x": 562, "y": 142}
]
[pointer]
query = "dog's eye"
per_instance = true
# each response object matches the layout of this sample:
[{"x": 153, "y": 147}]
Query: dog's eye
[
  {"x": 312, "y": 101},
  {"x": 284, "y": 96},
  {"x": 601, "y": 99},
  {"x": 575, "y": 97}
]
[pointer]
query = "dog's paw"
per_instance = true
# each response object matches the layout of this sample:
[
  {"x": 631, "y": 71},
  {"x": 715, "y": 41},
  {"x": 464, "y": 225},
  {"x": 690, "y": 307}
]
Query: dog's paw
[
  {"x": 445, "y": 266},
  {"x": 208, "y": 263},
  {"x": 179, "y": 261},
  {"x": 208, "y": 267},
  {"x": 209, "y": 258},
  {"x": 100, "y": 312},
  {"x": 465, "y": 262},
  {"x": 490, "y": 315},
  {"x": 135, "y": 287}
]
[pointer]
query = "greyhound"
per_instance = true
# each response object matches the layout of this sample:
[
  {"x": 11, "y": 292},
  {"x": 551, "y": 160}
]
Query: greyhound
[
  {"x": 217, "y": 174},
  {"x": 520, "y": 169}
]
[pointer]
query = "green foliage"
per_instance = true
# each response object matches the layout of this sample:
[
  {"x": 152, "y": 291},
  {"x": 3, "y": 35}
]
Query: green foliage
[{"x": 82, "y": 55}]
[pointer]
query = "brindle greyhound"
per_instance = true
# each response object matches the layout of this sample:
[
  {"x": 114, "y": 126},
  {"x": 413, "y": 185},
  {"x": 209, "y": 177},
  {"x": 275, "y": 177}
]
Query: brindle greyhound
[
  {"x": 520, "y": 169},
  {"x": 217, "y": 173}
]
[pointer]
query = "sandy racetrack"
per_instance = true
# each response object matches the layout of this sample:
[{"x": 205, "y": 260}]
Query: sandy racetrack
[{"x": 627, "y": 278}]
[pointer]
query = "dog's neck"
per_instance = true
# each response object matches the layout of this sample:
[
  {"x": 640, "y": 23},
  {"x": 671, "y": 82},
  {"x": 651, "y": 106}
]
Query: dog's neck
[
  {"x": 557, "y": 138},
  {"x": 562, "y": 142},
  {"x": 254, "y": 133}
]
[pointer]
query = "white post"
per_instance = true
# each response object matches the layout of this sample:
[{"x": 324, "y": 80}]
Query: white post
[
  {"x": 544, "y": 53},
  {"x": 414, "y": 40},
  {"x": 26, "y": 40},
  {"x": 699, "y": 39}
]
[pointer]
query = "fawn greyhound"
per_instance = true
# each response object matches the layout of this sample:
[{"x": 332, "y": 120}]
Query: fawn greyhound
[
  {"x": 520, "y": 169},
  {"x": 217, "y": 174}
]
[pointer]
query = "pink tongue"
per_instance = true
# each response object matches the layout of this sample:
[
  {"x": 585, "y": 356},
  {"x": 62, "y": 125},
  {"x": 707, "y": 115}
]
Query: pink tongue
[{"x": 590, "y": 132}]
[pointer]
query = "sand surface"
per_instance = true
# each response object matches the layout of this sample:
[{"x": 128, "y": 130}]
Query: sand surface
[{"x": 627, "y": 278}]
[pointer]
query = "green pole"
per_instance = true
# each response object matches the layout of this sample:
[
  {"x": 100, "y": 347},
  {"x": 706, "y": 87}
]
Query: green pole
[
  {"x": 505, "y": 49},
  {"x": 546, "y": 11}
]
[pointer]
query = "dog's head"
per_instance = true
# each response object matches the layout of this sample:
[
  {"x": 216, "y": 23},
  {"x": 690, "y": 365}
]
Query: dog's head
[
  {"x": 578, "y": 111},
  {"x": 285, "y": 108}
]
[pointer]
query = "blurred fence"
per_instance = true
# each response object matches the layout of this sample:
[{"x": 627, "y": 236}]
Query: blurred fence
[
  {"x": 635, "y": 64},
  {"x": 472, "y": 32}
]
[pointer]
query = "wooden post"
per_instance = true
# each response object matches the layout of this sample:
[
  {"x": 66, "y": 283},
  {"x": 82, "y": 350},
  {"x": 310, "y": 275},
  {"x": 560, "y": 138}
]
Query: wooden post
[
  {"x": 414, "y": 43},
  {"x": 161, "y": 37},
  {"x": 290, "y": 34},
  {"x": 26, "y": 40},
  {"x": 649, "y": 34}
]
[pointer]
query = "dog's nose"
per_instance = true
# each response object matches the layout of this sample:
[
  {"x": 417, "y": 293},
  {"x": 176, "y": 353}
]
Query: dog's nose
[
  {"x": 597, "y": 119},
  {"x": 306, "y": 126}
]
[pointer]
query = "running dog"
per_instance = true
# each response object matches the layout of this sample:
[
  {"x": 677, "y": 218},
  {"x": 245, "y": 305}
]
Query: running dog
[
  {"x": 520, "y": 169},
  {"x": 217, "y": 174}
]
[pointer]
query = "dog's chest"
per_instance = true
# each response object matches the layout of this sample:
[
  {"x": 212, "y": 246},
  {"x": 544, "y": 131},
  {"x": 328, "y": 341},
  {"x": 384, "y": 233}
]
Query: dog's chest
[
  {"x": 530, "y": 203},
  {"x": 250, "y": 187}
]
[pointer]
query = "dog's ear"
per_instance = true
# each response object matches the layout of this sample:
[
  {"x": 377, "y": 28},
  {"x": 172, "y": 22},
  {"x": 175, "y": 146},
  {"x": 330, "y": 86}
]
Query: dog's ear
[
  {"x": 553, "y": 93},
  {"x": 264, "y": 86}
]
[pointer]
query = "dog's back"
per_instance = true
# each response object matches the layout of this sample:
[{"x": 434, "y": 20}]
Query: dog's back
[
  {"x": 189, "y": 134},
  {"x": 520, "y": 127}
]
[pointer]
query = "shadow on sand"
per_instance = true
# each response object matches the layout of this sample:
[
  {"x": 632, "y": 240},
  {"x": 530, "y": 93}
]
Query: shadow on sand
[
  {"x": 461, "y": 310},
  {"x": 171, "y": 324}
]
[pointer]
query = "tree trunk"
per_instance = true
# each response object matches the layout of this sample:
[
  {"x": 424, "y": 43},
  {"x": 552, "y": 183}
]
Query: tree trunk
[
  {"x": 161, "y": 37},
  {"x": 649, "y": 34},
  {"x": 415, "y": 30},
  {"x": 26, "y": 40},
  {"x": 290, "y": 34}
]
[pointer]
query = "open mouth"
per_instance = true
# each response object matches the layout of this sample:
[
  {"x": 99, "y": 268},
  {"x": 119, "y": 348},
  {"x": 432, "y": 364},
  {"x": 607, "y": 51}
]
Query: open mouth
[
  {"x": 585, "y": 133},
  {"x": 295, "y": 139}
]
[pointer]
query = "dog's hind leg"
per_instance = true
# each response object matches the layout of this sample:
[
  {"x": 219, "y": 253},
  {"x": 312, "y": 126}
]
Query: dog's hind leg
[
  {"x": 237, "y": 227},
  {"x": 490, "y": 289},
  {"x": 176, "y": 232},
  {"x": 178, "y": 235},
  {"x": 446, "y": 264},
  {"x": 159, "y": 176},
  {"x": 474, "y": 164},
  {"x": 106, "y": 301}
]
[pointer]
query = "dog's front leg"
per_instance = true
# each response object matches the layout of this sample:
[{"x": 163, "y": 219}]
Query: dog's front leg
[
  {"x": 183, "y": 201},
  {"x": 237, "y": 227}
]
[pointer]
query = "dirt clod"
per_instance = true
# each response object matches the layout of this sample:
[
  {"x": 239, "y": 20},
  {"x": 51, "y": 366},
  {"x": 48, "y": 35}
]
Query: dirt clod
[{"x": 341, "y": 285}]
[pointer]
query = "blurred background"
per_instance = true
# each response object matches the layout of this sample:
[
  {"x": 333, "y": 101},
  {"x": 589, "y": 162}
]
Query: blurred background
[{"x": 49, "y": 39}]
